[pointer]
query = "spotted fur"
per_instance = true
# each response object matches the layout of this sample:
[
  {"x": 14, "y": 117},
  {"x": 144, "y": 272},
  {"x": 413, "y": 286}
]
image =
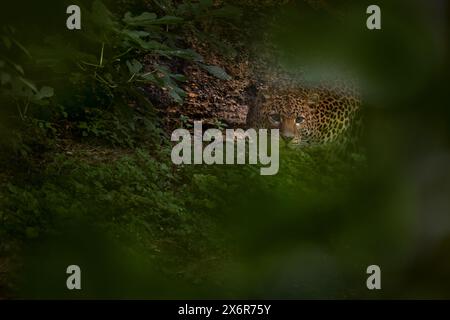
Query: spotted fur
[{"x": 307, "y": 114}]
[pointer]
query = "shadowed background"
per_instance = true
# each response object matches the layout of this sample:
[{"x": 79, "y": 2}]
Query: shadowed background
[{"x": 139, "y": 227}]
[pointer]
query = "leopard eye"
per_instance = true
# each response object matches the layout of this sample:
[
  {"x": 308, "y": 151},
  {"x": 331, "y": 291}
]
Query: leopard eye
[
  {"x": 299, "y": 120},
  {"x": 275, "y": 117}
]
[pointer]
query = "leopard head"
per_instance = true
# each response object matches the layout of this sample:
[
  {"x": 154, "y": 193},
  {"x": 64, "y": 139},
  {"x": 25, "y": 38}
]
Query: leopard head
[
  {"x": 289, "y": 115},
  {"x": 288, "y": 124}
]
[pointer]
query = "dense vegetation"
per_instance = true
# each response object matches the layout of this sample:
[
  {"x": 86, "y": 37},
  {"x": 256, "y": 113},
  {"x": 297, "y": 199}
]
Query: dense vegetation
[{"x": 86, "y": 171}]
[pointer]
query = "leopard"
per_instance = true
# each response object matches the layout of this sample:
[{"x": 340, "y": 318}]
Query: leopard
[{"x": 305, "y": 114}]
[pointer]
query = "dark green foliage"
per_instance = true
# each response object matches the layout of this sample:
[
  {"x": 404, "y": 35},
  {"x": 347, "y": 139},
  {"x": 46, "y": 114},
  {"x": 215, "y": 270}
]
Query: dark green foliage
[
  {"x": 180, "y": 217},
  {"x": 94, "y": 80},
  {"x": 87, "y": 178}
]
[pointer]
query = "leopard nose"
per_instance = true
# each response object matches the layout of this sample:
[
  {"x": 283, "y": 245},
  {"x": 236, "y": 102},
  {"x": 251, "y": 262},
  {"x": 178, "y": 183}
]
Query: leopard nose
[{"x": 287, "y": 138}]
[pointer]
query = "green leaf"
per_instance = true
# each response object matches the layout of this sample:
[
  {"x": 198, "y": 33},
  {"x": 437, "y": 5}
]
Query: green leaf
[
  {"x": 216, "y": 71},
  {"x": 149, "y": 19},
  {"x": 18, "y": 68},
  {"x": 45, "y": 92},
  {"x": 153, "y": 45},
  {"x": 29, "y": 84},
  {"x": 178, "y": 77},
  {"x": 187, "y": 54},
  {"x": 176, "y": 96},
  {"x": 18, "y": 44},
  {"x": 169, "y": 20},
  {"x": 135, "y": 36},
  {"x": 134, "y": 66},
  {"x": 146, "y": 18},
  {"x": 148, "y": 77}
]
